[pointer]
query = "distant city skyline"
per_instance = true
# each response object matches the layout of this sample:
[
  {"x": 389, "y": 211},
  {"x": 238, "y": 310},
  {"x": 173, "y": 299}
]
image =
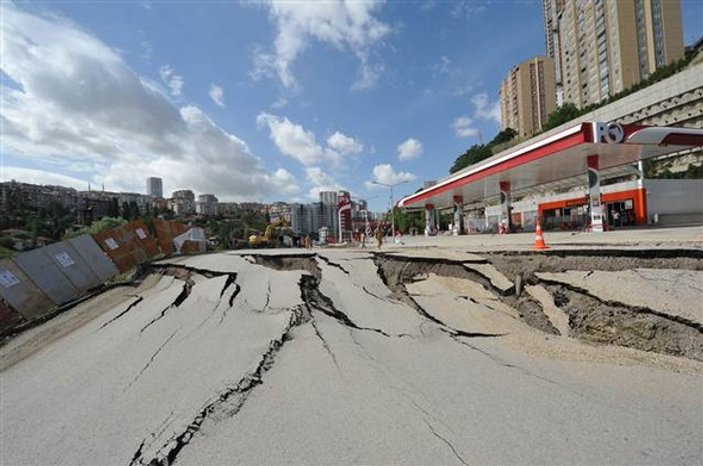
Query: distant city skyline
[{"x": 266, "y": 102}]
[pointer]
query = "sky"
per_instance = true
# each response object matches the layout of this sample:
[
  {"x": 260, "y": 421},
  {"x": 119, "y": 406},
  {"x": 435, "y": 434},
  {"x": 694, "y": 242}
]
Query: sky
[{"x": 258, "y": 100}]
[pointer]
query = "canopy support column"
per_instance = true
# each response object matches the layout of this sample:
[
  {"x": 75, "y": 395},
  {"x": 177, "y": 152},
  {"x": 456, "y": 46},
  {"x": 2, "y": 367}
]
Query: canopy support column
[
  {"x": 505, "y": 221},
  {"x": 458, "y": 224},
  {"x": 595, "y": 206},
  {"x": 429, "y": 220}
]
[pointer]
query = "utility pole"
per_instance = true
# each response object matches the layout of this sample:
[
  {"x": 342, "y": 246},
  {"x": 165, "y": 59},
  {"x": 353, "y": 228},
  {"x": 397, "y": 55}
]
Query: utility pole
[{"x": 391, "y": 186}]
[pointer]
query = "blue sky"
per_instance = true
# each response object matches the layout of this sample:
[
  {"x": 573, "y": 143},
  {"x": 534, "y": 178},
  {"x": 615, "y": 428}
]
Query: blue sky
[{"x": 258, "y": 100}]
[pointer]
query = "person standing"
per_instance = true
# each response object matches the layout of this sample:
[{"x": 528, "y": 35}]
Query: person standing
[
  {"x": 363, "y": 240},
  {"x": 379, "y": 237}
]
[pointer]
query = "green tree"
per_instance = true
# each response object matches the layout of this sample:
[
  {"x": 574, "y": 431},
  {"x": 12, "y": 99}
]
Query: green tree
[
  {"x": 508, "y": 134},
  {"x": 561, "y": 115},
  {"x": 51, "y": 222},
  {"x": 404, "y": 221},
  {"x": 473, "y": 154}
]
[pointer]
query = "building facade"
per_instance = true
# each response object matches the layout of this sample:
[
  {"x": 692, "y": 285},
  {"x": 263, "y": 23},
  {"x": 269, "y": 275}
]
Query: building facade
[
  {"x": 528, "y": 96},
  {"x": 207, "y": 205},
  {"x": 182, "y": 202},
  {"x": 154, "y": 186},
  {"x": 328, "y": 197},
  {"x": 552, "y": 8},
  {"x": 605, "y": 47}
]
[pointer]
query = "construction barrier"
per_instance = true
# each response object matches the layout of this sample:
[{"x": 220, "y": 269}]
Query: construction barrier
[
  {"x": 47, "y": 276},
  {"x": 21, "y": 293},
  {"x": 96, "y": 259},
  {"x": 35, "y": 282},
  {"x": 144, "y": 239},
  {"x": 120, "y": 245},
  {"x": 70, "y": 263}
]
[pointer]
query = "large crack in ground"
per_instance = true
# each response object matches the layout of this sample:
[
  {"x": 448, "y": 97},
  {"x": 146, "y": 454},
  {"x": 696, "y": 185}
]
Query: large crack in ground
[
  {"x": 229, "y": 402},
  {"x": 604, "y": 322},
  {"x": 395, "y": 272}
]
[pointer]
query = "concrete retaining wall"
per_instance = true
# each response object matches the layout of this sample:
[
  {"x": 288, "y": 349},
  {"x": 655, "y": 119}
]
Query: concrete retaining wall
[{"x": 680, "y": 197}]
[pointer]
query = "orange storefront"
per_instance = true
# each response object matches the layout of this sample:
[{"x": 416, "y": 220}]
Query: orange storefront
[{"x": 621, "y": 208}]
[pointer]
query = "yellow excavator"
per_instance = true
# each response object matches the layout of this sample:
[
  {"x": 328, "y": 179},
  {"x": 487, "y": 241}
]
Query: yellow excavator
[{"x": 267, "y": 239}]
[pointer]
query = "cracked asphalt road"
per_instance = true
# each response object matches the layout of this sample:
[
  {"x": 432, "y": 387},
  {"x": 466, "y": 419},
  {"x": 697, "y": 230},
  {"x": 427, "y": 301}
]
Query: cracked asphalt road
[{"x": 229, "y": 358}]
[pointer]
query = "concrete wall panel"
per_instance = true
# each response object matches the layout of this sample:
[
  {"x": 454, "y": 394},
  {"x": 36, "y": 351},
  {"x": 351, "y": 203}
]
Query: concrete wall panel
[
  {"x": 21, "y": 293},
  {"x": 97, "y": 260},
  {"x": 72, "y": 265},
  {"x": 46, "y": 274}
]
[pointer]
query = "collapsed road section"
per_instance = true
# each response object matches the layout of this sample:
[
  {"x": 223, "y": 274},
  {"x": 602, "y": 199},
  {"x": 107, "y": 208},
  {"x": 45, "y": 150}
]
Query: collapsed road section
[{"x": 350, "y": 357}]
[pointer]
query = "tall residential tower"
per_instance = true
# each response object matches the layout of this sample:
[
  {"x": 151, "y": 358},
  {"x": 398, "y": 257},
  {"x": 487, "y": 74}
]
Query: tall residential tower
[
  {"x": 154, "y": 187},
  {"x": 527, "y": 96},
  {"x": 605, "y": 47}
]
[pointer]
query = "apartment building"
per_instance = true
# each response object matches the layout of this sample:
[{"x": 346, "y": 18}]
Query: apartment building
[
  {"x": 207, "y": 205},
  {"x": 528, "y": 96},
  {"x": 155, "y": 186},
  {"x": 604, "y": 47}
]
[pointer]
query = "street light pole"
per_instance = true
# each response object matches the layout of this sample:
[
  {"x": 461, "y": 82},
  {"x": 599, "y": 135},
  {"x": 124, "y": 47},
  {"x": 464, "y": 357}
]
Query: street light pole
[{"x": 391, "y": 186}]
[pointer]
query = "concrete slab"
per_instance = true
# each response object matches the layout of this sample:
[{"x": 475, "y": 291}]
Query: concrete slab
[
  {"x": 438, "y": 253},
  {"x": 556, "y": 316},
  {"x": 497, "y": 279},
  {"x": 464, "y": 305},
  {"x": 674, "y": 292}
]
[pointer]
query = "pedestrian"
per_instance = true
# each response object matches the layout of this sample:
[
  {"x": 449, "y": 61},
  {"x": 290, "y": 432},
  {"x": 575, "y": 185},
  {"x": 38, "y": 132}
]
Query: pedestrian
[
  {"x": 308, "y": 242},
  {"x": 363, "y": 240},
  {"x": 379, "y": 237}
]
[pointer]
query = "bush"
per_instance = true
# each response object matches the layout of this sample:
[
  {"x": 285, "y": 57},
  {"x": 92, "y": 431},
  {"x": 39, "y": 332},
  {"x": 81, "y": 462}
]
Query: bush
[{"x": 7, "y": 242}]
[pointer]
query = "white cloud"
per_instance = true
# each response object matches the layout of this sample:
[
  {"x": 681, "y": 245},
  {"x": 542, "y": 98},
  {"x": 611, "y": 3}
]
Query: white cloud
[
  {"x": 344, "y": 144},
  {"x": 217, "y": 95},
  {"x": 484, "y": 109},
  {"x": 279, "y": 103},
  {"x": 463, "y": 129},
  {"x": 30, "y": 175},
  {"x": 172, "y": 80},
  {"x": 292, "y": 140},
  {"x": 385, "y": 174},
  {"x": 321, "y": 181},
  {"x": 466, "y": 9},
  {"x": 344, "y": 25},
  {"x": 285, "y": 182},
  {"x": 295, "y": 141},
  {"x": 409, "y": 149},
  {"x": 114, "y": 119}
]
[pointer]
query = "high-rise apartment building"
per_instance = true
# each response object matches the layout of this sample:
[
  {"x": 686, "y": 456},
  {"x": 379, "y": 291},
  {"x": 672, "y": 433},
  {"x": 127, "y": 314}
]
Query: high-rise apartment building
[
  {"x": 605, "y": 47},
  {"x": 552, "y": 8},
  {"x": 154, "y": 186},
  {"x": 328, "y": 197},
  {"x": 527, "y": 96}
]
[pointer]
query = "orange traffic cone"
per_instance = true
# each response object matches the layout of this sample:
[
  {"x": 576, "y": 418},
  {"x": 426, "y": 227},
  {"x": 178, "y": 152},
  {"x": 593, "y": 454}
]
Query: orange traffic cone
[{"x": 539, "y": 239}]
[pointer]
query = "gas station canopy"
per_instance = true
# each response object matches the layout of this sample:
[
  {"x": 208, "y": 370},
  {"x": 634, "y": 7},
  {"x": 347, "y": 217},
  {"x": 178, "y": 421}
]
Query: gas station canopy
[{"x": 554, "y": 158}]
